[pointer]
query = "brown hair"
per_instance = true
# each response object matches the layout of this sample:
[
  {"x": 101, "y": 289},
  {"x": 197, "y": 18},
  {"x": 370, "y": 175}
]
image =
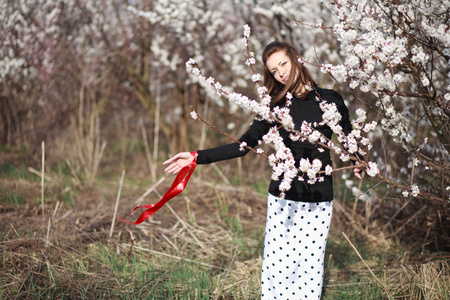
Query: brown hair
[{"x": 302, "y": 76}]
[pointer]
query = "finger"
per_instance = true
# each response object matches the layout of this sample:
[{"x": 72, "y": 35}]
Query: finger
[
  {"x": 168, "y": 161},
  {"x": 172, "y": 168},
  {"x": 171, "y": 159},
  {"x": 357, "y": 172},
  {"x": 173, "y": 171}
]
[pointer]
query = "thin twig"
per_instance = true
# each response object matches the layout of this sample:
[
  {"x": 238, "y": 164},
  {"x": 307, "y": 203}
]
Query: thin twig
[
  {"x": 23, "y": 283},
  {"x": 36, "y": 172},
  {"x": 151, "y": 189},
  {"x": 186, "y": 227},
  {"x": 224, "y": 178},
  {"x": 157, "y": 126},
  {"x": 226, "y": 275},
  {"x": 47, "y": 242},
  {"x": 18, "y": 235},
  {"x": 117, "y": 204},
  {"x": 147, "y": 149},
  {"x": 370, "y": 270},
  {"x": 359, "y": 194},
  {"x": 64, "y": 216},
  {"x": 396, "y": 213},
  {"x": 409, "y": 220},
  {"x": 56, "y": 209},
  {"x": 42, "y": 177},
  {"x": 49, "y": 267}
]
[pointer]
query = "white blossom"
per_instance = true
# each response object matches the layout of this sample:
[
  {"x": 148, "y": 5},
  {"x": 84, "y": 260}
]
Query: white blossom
[
  {"x": 415, "y": 190},
  {"x": 372, "y": 169},
  {"x": 242, "y": 146},
  {"x": 247, "y": 31},
  {"x": 256, "y": 77},
  {"x": 328, "y": 170}
]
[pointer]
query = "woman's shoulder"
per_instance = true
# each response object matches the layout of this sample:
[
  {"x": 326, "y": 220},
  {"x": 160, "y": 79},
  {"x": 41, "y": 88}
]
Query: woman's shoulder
[
  {"x": 333, "y": 96},
  {"x": 329, "y": 94}
]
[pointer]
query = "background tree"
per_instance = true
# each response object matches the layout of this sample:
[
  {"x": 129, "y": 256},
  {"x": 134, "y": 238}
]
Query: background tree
[{"x": 62, "y": 62}]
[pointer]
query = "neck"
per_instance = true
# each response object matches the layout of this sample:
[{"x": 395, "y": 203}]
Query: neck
[{"x": 300, "y": 91}]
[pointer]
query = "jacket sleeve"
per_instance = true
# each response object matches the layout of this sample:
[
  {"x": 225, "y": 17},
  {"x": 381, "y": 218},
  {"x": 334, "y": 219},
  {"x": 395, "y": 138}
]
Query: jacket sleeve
[{"x": 256, "y": 131}]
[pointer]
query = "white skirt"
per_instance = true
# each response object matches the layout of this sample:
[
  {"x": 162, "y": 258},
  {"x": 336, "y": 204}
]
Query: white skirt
[{"x": 294, "y": 248}]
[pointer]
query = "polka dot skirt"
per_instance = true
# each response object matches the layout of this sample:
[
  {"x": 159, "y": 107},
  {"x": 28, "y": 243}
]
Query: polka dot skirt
[{"x": 294, "y": 249}]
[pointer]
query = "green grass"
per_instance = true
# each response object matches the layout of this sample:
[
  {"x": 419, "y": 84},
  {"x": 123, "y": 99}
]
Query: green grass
[
  {"x": 14, "y": 198},
  {"x": 81, "y": 263},
  {"x": 14, "y": 172},
  {"x": 100, "y": 273}
]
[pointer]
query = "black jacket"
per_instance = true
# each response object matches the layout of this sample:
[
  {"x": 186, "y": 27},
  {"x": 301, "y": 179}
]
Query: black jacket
[{"x": 301, "y": 109}]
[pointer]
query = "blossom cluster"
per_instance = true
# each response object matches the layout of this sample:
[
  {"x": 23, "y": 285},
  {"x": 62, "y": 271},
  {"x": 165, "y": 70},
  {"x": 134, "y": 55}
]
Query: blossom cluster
[
  {"x": 282, "y": 161},
  {"x": 312, "y": 169},
  {"x": 356, "y": 142},
  {"x": 388, "y": 53}
]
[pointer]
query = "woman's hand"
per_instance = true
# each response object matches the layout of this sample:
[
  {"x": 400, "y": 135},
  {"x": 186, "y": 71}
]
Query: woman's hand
[
  {"x": 358, "y": 170},
  {"x": 178, "y": 162}
]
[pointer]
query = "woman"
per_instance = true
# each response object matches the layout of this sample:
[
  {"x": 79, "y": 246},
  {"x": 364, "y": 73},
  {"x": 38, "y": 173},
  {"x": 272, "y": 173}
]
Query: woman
[{"x": 296, "y": 226}]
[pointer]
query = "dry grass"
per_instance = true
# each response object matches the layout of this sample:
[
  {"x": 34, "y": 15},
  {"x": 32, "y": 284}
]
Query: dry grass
[{"x": 206, "y": 243}]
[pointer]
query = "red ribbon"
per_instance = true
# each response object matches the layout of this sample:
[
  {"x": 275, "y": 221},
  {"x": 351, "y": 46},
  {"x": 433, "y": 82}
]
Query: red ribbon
[{"x": 177, "y": 187}]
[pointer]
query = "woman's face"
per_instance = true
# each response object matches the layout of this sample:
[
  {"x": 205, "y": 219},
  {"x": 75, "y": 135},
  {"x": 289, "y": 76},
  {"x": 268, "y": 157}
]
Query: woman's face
[{"x": 279, "y": 65}]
